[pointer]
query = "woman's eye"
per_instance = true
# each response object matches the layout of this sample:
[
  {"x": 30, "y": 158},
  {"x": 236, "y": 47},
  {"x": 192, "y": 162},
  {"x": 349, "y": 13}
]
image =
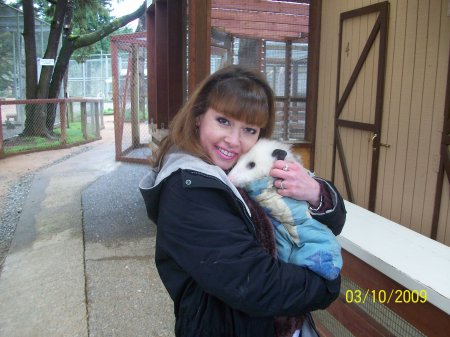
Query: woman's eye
[
  {"x": 223, "y": 121},
  {"x": 250, "y": 130}
]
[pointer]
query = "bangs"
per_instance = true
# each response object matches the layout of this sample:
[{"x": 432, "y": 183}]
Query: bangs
[{"x": 242, "y": 100}]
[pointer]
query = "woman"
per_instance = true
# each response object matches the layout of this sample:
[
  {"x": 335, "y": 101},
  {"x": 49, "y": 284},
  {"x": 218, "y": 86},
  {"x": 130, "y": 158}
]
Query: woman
[{"x": 222, "y": 281}]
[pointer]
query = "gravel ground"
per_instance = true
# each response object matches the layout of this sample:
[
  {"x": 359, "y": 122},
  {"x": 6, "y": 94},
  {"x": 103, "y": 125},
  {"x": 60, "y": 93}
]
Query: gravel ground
[{"x": 13, "y": 203}]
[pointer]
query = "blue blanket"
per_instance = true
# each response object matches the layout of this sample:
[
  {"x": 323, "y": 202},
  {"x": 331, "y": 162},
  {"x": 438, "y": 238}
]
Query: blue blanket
[{"x": 300, "y": 238}]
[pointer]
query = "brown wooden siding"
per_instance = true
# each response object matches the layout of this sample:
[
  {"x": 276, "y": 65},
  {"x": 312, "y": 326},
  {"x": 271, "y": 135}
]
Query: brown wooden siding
[{"x": 413, "y": 110}]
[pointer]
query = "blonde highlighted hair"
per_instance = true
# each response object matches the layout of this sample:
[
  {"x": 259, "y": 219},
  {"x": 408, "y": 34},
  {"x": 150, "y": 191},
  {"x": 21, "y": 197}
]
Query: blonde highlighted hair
[{"x": 234, "y": 91}]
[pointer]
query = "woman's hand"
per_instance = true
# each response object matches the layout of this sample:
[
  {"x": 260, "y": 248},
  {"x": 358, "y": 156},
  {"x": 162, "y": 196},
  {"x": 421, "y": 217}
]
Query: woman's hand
[{"x": 292, "y": 180}]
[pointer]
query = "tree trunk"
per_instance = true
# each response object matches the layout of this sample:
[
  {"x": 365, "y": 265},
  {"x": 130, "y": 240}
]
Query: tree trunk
[
  {"x": 52, "y": 47},
  {"x": 34, "y": 114},
  {"x": 41, "y": 121},
  {"x": 29, "y": 32},
  {"x": 69, "y": 45},
  {"x": 61, "y": 66}
]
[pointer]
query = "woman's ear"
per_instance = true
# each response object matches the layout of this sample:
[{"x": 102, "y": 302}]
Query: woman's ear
[{"x": 279, "y": 154}]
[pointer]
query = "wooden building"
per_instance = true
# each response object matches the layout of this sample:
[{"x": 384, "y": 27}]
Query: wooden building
[
  {"x": 382, "y": 128},
  {"x": 376, "y": 97}
]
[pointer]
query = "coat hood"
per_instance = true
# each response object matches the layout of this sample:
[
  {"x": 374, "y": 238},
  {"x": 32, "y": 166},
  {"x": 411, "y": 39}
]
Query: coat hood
[{"x": 151, "y": 184}]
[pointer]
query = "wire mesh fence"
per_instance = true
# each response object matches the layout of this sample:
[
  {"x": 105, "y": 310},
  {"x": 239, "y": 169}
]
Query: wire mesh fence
[
  {"x": 284, "y": 65},
  {"x": 129, "y": 72},
  {"x": 31, "y": 125}
]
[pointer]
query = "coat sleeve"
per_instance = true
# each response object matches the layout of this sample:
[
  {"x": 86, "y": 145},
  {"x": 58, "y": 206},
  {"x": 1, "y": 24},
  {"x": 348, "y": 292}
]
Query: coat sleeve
[
  {"x": 333, "y": 218},
  {"x": 204, "y": 233}
]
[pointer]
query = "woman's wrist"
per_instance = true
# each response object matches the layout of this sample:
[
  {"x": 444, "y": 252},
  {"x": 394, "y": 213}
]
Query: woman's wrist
[
  {"x": 316, "y": 207},
  {"x": 326, "y": 202},
  {"x": 315, "y": 201}
]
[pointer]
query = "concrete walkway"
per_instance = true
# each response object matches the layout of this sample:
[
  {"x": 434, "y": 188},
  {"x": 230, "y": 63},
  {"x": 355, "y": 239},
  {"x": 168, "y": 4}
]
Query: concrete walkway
[{"x": 82, "y": 259}]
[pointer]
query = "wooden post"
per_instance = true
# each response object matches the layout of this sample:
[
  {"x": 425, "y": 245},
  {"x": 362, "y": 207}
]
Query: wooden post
[
  {"x": 102, "y": 120},
  {"x": 312, "y": 86},
  {"x": 199, "y": 42},
  {"x": 97, "y": 119},
  {"x": 84, "y": 120},
  {"x": 2, "y": 152},
  {"x": 62, "y": 117},
  {"x": 135, "y": 96},
  {"x": 151, "y": 64},
  {"x": 118, "y": 124}
]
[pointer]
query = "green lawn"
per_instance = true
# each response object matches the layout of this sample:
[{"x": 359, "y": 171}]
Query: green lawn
[{"x": 23, "y": 144}]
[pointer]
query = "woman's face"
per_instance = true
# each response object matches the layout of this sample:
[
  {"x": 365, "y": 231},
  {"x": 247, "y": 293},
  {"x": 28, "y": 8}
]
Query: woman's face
[{"x": 224, "y": 138}]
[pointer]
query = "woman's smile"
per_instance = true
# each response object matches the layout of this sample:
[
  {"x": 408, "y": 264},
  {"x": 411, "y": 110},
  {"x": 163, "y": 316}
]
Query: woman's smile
[{"x": 226, "y": 154}]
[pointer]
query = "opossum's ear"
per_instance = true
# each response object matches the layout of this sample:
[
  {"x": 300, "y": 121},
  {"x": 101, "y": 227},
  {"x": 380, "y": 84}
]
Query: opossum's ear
[{"x": 279, "y": 154}]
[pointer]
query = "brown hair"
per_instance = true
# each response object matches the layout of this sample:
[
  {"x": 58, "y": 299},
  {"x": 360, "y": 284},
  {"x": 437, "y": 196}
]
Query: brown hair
[{"x": 234, "y": 91}]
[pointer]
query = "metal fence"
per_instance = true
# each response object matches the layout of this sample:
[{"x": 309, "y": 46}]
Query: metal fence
[
  {"x": 284, "y": 65},
  {"x": 40, "y": 124},
  {"x": 12, "y": 67}
]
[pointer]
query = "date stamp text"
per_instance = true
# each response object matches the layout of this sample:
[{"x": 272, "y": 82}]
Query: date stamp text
[{"x": 385, "y": 296}]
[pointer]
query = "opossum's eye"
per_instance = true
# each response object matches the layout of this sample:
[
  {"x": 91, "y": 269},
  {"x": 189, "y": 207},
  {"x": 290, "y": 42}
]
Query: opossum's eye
[{"x": 251, "y": 165}]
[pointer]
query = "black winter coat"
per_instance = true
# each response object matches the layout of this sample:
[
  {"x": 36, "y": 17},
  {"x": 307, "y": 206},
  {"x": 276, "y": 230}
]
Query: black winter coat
[{"x": 222, "y": 282}]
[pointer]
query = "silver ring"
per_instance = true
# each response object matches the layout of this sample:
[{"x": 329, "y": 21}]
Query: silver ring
[
  {"x": 281, "y": 185},
  {"x": 285, "y": 167}
]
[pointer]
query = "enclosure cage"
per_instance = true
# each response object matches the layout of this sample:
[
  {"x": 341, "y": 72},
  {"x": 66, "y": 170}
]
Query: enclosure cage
[
  {"x": 129, "y": 86},
  {"x": 12, "y": 67},
  {"x": 91, "y": 78}
]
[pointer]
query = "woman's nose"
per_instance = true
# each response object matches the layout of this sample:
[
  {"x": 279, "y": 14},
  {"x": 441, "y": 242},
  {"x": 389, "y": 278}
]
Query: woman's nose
[{"x": 232, "y": 137}]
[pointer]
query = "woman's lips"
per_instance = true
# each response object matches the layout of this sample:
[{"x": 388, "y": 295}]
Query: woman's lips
[{"x": 225, "y": 154}]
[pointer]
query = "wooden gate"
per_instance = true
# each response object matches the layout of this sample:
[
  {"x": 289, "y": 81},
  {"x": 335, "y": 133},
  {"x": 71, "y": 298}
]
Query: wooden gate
[{"x": 359, "y": 102}]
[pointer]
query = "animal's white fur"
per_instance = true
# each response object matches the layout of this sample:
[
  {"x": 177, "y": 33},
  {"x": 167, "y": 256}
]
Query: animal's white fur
[{"x": 261, "y": 155}]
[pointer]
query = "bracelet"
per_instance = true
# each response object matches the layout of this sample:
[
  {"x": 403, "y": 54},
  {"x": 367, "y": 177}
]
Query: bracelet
[{"x": 318, "y": 207}]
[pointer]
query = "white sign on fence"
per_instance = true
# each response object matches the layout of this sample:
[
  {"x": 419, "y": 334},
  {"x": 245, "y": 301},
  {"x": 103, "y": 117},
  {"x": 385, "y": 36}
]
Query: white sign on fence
[{"x": 46, "y": 62}]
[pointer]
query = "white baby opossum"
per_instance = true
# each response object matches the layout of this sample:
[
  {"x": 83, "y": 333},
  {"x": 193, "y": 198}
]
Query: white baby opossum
[
  {"x": 258, "y": 162},
  {"x": 300, "y": 238}
]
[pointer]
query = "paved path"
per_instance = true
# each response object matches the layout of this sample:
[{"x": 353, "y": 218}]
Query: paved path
[{"x": 82, "y": 259}]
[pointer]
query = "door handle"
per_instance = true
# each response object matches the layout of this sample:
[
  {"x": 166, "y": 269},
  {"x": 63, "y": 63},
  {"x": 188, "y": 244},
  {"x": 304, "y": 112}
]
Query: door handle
[{"x": 387, "y": 146}]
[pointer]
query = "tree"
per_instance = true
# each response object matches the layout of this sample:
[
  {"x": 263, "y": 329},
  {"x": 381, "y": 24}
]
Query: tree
[{"x": 40, "y": 120}]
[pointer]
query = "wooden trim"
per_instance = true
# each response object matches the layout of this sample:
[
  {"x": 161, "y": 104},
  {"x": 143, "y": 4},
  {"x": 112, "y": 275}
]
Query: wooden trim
[
  {"x": 254, "y": 16},
  {"x": 312, "y": 87},
  {"x": 151, "y": 69},
  {"x": 115, "y": 88},
  {"x": 2, "y": 151},
  {"x": 356, "y": 125},
  {"x": 161, "y": 50},
  {"x": 262, "y": 6},
  {"x": 260, "y": 33},
  {"x": 199, "y": 42},
  {"x": 379, "y": 100},
  {"x": 444, "y": 164},
  {"x": 340, "y": 149},
  {"x": 424, "y": 316},
  {"x": 379, "y": 28},
  {"x": 175, "y": 58},
  {"x": 359, "y": 65},
  {"x": 287, "y": 85}
]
